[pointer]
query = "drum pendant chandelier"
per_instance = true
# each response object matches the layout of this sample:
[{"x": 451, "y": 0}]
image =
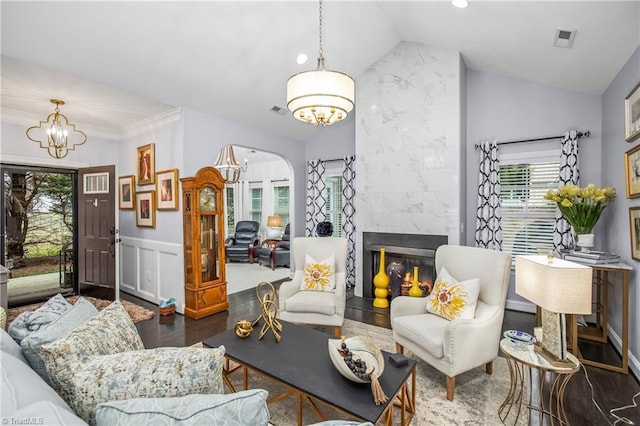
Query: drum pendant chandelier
[{"x": 320, "y": 97}]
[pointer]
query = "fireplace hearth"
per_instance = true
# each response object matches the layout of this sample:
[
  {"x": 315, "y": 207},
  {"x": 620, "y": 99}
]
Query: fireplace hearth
[{"x": 409, "y": 249}]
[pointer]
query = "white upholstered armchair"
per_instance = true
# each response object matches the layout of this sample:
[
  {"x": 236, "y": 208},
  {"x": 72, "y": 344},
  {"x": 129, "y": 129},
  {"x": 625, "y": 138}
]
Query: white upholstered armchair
[
  {"x": 459, "y": 345},
  {"x": 315, "y": 307}
]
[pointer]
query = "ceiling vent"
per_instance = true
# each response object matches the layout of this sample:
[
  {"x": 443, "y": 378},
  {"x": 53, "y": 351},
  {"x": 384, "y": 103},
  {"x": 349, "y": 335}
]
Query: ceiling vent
[
  {"x": 278, "y": 110},
  {"x": 564, "y": 38}
]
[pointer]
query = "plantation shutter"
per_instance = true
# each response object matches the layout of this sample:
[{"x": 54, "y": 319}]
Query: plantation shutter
[{"x": 527, "y": 218}]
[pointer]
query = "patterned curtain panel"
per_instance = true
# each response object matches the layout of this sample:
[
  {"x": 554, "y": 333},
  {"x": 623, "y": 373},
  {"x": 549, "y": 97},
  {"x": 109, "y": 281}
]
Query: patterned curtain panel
[
  {"x": 489, "y": 213},
  {"x": 348, "y": 216},
  {"x": 569, "y": 175},
  {"x": 316, "y": 202}
]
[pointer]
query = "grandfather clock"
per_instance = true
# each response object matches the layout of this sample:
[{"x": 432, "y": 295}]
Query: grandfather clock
[{"x": 205, "y": 282}]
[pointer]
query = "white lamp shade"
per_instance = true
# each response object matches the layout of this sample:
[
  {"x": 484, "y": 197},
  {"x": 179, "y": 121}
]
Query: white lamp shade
[
  {"x": 320, "y": 96},
  {"x": 560, "y": 286}
]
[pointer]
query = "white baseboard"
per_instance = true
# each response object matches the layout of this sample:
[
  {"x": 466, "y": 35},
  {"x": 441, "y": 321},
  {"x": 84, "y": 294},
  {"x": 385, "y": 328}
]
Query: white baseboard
[{"x": 634, "y": 363}]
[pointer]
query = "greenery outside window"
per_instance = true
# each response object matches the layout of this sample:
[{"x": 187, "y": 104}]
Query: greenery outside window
[
  {"x": 527, "y": 218},
  {"x": 281, "y": 203},
  {"x": 255, "y": 203},
  {"x": 230, "y": 209}
]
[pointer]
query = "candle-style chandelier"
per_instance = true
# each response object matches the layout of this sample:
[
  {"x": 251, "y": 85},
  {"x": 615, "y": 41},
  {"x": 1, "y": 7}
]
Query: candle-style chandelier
[
  {"x": 228, "y": 166},
  {"x": 56, "y": 134}
]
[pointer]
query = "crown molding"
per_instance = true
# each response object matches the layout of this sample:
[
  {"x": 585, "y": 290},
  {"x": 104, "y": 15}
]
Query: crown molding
[
  {"x": 147, "y": 124},
  {"x": 28, "y": 119}
]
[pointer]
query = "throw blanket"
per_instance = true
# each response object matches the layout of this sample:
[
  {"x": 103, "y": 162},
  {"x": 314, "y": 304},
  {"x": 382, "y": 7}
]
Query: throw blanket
[{"x": 30, "y": 322}]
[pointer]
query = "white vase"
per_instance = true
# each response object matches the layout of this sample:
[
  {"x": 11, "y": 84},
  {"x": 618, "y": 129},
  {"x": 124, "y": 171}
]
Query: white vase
[{"x": 585, "y": 241}]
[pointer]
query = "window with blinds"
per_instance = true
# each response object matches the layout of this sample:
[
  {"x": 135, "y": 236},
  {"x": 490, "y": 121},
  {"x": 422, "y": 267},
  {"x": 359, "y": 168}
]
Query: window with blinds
[
  {"x": 527, "y": 218},
  {"x": 333, "y": 210},
  {"x": 255, "y": 202},
  {"x": 281, "y": 203}
]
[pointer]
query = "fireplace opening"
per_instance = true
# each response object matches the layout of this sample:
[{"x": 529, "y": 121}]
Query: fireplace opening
[{"x": 408, "y": 250}]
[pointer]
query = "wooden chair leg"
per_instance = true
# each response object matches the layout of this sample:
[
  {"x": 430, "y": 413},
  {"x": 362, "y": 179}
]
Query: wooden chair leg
[
  {"x": 337, "y": 330},
  {"x": 399, "y": 348},
  {"x": 451, "y": 386},
  {"x": 489, "y": 367}
]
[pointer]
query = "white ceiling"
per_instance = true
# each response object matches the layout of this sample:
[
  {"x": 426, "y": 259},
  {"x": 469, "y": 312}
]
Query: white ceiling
[{"x": 116, "y": 63}]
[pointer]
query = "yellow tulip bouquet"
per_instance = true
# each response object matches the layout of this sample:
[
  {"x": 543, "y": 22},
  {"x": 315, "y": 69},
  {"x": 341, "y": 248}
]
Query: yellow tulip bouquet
[{"x": 581, "y": 206}]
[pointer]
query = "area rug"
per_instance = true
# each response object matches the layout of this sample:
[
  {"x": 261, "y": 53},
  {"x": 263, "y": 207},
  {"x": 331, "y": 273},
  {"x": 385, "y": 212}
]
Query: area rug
[
  {"x": 136, "y": 312},
  {"x": 477, "y": 395},
  {"x": 242, "y": 276}
]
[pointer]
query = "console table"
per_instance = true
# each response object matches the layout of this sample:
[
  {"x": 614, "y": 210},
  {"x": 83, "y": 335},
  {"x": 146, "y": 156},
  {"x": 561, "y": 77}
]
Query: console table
[{"x": 598, "y": 333}]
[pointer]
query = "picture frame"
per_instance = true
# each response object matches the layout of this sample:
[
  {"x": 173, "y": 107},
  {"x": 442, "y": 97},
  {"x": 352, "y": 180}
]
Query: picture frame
[
  {"x": 632, "y": 114},
  {"x": 634, "y": 230},
  {"x": 167, "y": 189},
  {"x": 632, "y": 168},
  {"x": 146, "y": 209},
  {"x": 146, "y": 164},
  {"x": 126, "y": 192}
]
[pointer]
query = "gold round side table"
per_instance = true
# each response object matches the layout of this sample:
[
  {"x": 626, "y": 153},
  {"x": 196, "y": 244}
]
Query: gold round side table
[{"x": 537, "y": 384}]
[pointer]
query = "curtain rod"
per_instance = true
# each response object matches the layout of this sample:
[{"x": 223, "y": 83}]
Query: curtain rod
[
  {"x": 336, "y": 159},
  {"x": 586, "y": 134}
]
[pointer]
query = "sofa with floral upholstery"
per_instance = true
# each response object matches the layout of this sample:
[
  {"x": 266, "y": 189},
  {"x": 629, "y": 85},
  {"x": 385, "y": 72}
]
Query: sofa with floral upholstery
[{"x": 87, "y": 367}]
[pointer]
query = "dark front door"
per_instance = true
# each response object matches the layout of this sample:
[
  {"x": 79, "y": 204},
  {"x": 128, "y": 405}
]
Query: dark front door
[{"x": 97, "y": 232}]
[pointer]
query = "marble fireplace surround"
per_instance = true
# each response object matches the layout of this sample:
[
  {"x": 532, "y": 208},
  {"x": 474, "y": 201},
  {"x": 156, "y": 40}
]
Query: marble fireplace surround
[
  {"x": 409, "y": 249},
  {"x": 409, "y": 130}
]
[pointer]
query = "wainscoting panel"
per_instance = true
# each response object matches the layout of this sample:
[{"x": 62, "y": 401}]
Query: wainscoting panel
[{"x": 152, "y": 270}]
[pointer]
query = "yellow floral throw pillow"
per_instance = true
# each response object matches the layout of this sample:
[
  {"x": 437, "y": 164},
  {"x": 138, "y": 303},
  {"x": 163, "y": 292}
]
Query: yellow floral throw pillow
[
  {"x": 453, "y": 299},
  {"x": 319, "y": 276}
]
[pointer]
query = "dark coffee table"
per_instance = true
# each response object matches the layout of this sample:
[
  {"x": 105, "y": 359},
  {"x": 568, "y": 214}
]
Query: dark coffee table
[{"x": 301, "y": 362}]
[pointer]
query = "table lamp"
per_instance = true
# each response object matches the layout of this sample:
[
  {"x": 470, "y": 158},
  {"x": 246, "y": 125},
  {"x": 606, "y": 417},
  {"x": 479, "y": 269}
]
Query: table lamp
[
  {"x": 273, "y": 227},
  {"x": 559, "y": 287}
]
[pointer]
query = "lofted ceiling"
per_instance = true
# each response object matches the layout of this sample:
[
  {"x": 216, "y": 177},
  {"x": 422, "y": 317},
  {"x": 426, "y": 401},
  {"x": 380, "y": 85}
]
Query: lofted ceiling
[{"x": 119, "y": 63}]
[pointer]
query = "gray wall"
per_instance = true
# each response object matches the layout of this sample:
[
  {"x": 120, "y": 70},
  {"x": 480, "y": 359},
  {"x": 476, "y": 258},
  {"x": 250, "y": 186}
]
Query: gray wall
[
  {"x": 95, "y": 152},
  {"x": 205, "y": 135},
  {"x": 335, "y": 141},
  {"x": 508, "y": 109},
  {"x": 616, "y": 216}
]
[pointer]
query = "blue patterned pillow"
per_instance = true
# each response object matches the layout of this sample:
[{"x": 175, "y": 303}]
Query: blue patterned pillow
[
  {"x": 241, "y": 408},
  {"x": 80, "y": 313},
  {"x": 151, "y": 373},
  {"x": 109, "y": 332}
]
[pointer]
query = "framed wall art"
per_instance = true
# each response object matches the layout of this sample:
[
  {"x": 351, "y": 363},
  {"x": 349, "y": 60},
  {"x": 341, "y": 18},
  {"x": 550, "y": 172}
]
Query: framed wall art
[
  {"x": 126, "y": 192},
  {"x": 146, "y": 209},
  {"x": 167, "y": 189},
  {"x": 632, "y": 114},
  {"x": 632, "y": 166},
  {"x": 146, "y": 164},
  {"x": 634, "y": 226}
]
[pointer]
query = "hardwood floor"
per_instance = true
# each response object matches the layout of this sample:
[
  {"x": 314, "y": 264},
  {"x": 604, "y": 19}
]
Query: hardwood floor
[{"x": 610, "y": 390}]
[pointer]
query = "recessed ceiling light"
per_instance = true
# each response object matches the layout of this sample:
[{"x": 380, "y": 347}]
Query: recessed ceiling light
[
  {"x": 301, "y": 59},
  {"x": 460, "y": 3}
]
